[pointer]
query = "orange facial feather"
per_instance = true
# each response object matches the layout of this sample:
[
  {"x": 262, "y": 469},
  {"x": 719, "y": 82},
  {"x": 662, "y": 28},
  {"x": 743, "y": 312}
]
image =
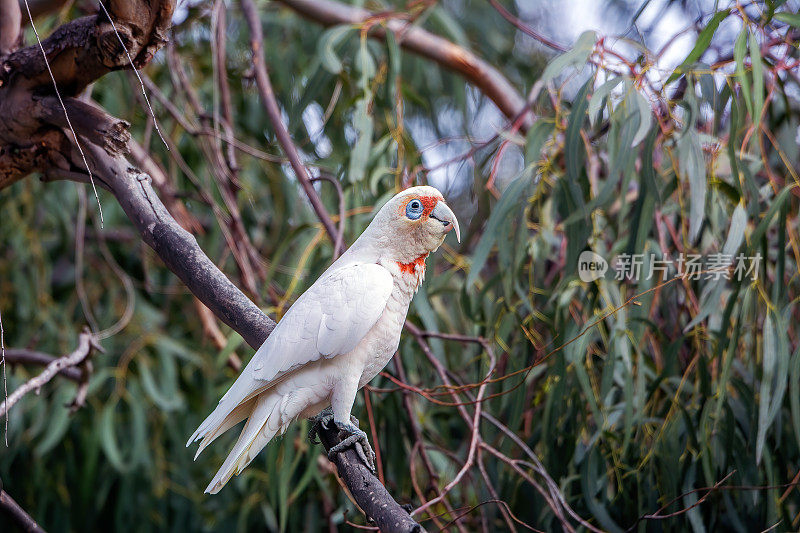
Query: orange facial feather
[{"x": 428, "y": 203}]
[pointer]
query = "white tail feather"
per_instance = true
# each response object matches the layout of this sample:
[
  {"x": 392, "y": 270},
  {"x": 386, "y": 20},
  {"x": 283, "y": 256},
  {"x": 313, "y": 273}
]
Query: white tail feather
[
  {"x": 226, "y": 406},
  {"x": 237, "y": 415},
  {"x": 255, "y": 435}
]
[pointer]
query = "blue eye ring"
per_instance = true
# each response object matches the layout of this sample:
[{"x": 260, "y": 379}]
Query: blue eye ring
[{"x": 414, "y": 209}]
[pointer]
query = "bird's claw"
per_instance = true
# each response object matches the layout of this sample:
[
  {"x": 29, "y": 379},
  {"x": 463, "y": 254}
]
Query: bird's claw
[
  {"x": 349, "y": 434},
  {"x": 352, "y": 436},
  {"x": 321, "y": 420}
]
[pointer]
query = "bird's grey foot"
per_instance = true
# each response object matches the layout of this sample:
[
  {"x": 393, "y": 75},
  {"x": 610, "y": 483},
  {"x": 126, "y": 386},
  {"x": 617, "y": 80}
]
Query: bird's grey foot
[
  {"x": 353, "y": 437},
  {"x": 318, "y": 422}
]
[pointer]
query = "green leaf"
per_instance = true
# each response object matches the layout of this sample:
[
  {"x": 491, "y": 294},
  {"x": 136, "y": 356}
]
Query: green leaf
[
  {"x": 645, "y": 117},
  {"x": 739, "y": 52},
  {"x": 693, "y": 166},
  {"x": 758, "y": 80},
  {"x": 712, "y": 291},
  {"x": 599, "y": 96},
  {"x": 326, "y": 47},
  {"x": 574, "y": 149},
  {"x": 701, "y": 45},
  {"x": 108, "y": 438},
  {"x": 575, "y": 57},
  {"x": 775, "y": 365},
  {"x": 793, "y": 19},
  {"x": 762, "y": 227},
  {"x": 362, "y": 123},
  {"x": 58, "y": 423},
  {"x": 794, "y": 394},
  {"x": 535, "y": 139},
  {"x": 508, "y": 204}
]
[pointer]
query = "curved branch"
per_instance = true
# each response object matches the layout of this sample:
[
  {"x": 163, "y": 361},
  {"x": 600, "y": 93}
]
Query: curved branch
[
  {"x": 368, "y": 492},
  {"x": 424, "y": 43},
  {"x": 28, "y": 357},
  {"x": 86, "y": 343}
]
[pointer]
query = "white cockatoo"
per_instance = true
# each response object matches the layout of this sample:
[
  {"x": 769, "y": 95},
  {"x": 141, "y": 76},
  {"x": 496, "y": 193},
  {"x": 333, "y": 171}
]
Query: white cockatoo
[{"x": 338, "y": 334}]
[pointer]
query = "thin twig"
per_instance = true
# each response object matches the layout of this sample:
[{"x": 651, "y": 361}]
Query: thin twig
[
  {"x": 16, "y": 356},
  {"x": 270, "y": 104},
  {"x": 524, "y": 28},
  {"x": 5, "y": 381},
  {"x": 135, "y": 70},
  {"x": 86, "y": 342},
  {"x": 66, "y": 115}
]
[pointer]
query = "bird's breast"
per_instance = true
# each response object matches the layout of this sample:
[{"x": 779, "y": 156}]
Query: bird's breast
[{"x": 382, "y": 340}]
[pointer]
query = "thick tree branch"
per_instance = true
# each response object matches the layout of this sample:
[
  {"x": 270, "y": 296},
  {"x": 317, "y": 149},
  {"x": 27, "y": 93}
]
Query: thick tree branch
[
  {"x": 177, "y": 247},
  {"x": 77, "y": 53},
  {"x": 141, "y": 27},
  {"x": 368, "y": 492},
  {"x": 414, "y": 39}
]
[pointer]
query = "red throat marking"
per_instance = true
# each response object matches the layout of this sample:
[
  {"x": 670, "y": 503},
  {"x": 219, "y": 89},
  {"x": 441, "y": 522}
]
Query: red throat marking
[{"x": 411, "y": 268}]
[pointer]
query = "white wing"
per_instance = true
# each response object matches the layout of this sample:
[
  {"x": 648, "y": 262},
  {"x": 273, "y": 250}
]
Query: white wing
[{"x": 329, "y": 319}]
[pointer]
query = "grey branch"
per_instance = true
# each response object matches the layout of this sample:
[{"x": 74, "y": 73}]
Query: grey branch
[
  {"x": 29, "y": 357},
  {"x": 22, "y": 518},
  {"x": 86, "y": 342}
]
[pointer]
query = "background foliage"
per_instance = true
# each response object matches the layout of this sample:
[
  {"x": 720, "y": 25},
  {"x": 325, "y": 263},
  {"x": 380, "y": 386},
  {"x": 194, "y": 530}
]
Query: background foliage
[{"x": 683, "y": 386}]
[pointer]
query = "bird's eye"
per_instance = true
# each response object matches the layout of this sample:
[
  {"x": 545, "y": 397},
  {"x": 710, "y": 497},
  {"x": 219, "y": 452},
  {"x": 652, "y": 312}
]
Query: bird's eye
[{"x": 414, "y": 209}]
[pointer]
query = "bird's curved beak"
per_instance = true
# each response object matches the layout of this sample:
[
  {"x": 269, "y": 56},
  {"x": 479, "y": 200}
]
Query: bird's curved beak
[{"x": 445, "y": 215}]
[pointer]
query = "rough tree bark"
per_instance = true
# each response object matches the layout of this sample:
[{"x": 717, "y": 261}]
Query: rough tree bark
[{"x": 35, "y": 136}]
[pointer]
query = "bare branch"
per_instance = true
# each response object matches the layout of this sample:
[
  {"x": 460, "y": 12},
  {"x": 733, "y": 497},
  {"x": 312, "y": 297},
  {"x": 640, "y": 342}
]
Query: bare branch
[
  {"x": 29, "y": 357},
  {"x": 368, "y": 492},
  {"x": 525, "y": 28},
  {"x": 20, "y": 516},
  {"x": 86, "y": 342},
  {"x": 98, "y": 126},
  {"x": 10, "y": 20},
  {"x": 178, "y": 248}
]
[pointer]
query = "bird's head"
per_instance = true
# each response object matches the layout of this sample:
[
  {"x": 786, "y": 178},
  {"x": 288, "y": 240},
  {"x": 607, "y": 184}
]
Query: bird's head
[{"x": 414, "y": 223}]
